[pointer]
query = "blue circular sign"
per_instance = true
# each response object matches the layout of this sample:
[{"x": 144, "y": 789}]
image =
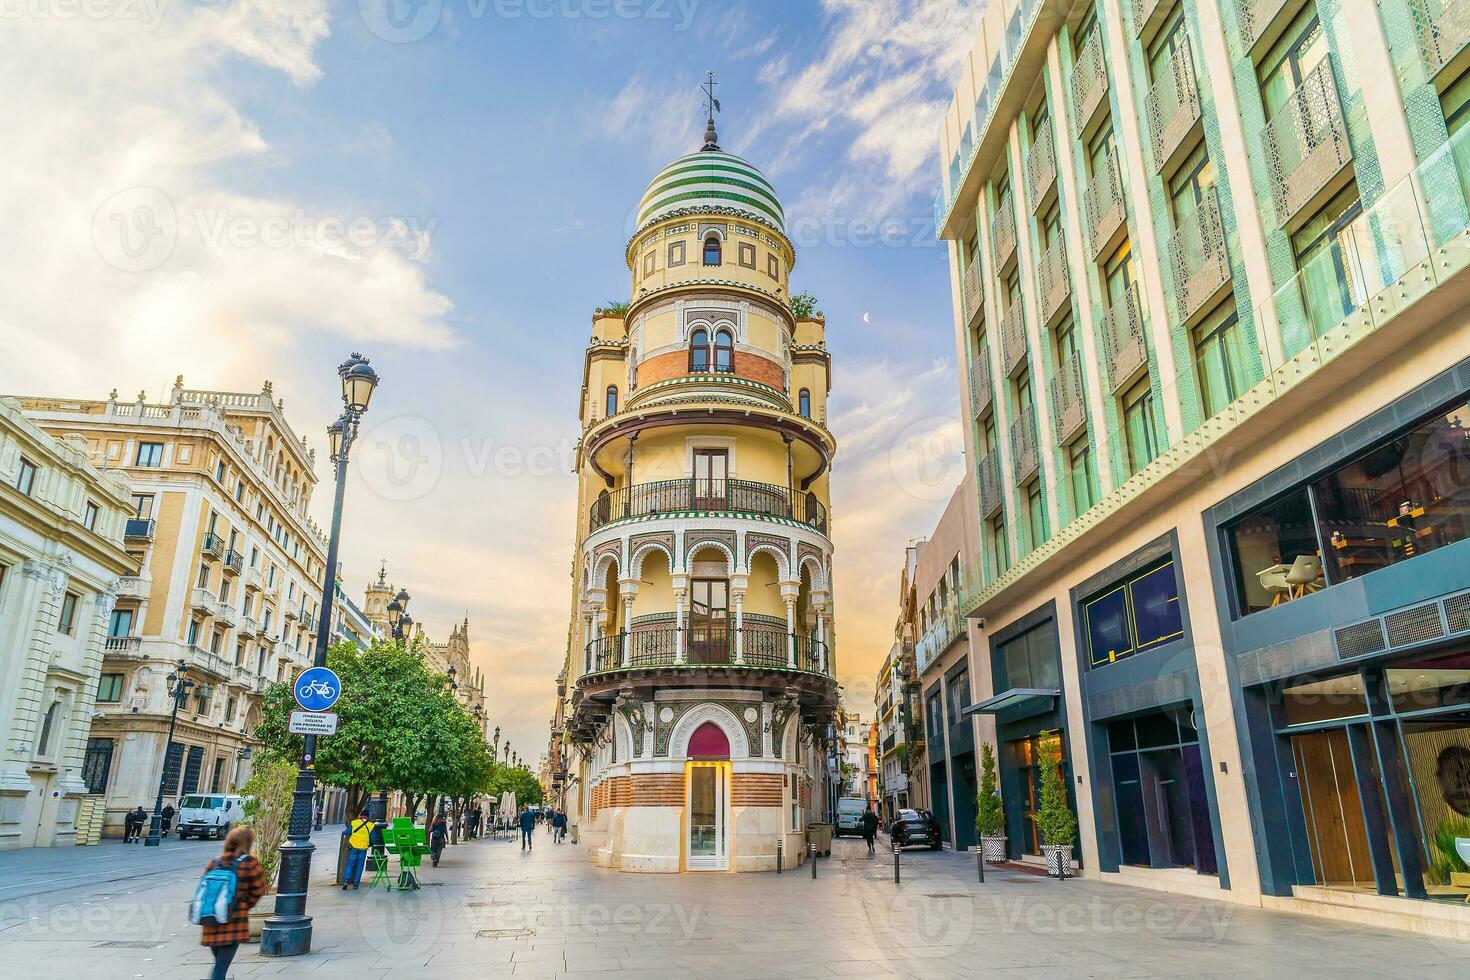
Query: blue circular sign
[{"x": 317, "y": 689}]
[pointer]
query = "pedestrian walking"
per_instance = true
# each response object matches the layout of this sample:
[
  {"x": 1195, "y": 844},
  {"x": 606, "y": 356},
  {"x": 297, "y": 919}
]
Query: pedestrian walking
[
  {"x": 359, "y": 836},
  {"x": 528, "y": 824},
  {"x": 438, "y": 837},
  {"x": 168, "y": 819},
  {"x": 224, "y": 938},
  {"x": 558, "y": 826},
  {"x": 870, "y": 829}
]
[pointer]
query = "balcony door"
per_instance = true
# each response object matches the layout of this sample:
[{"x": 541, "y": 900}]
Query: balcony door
[
  {"x": 711, "y": 476},
  {"x": 709, "y": 621}
]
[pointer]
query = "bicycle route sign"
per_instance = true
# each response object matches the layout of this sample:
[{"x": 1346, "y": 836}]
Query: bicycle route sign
[{"x": 317, "y": 689}]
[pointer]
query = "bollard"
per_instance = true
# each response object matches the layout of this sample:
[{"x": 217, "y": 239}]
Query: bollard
[
  {"x": 980, "y": 861},
  {"x": 812, "y": 847},
  {"x": 896, "y": 850},
  {"x": 778, "y": 857}
]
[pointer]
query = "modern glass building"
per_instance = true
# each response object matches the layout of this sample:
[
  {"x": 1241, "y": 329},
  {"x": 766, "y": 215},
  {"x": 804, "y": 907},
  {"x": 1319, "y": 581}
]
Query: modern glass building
[{"x": 1208, "y": 264}]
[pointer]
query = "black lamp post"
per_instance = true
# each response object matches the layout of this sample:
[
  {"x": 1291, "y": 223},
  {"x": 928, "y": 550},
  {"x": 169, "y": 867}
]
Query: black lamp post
[
  {"x": 179, "y": 685},
  {"x": 288, "y": 931},
  {"x": 399, "y": 624}
]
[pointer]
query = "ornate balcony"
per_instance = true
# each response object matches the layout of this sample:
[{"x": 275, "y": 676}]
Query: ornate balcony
[
  {"x": 1041, "y": 168},
  {"x": 1053, "y": 281},
  {"x": 1306, "y": 142},
  {"x": 214, "y": 545},
  {"x": 125, "y": 647},
  {"x": 1068, "y": 406},
  {"x": 211, "y": 663},
  {"x": 253, "y": 578},
  {"x": 233, "y": 563},
  {"x": 138, "y": 529},
  {"x": 1013, "y": 338},
  {"x": 720, "y": 645},
  {"x": 1442, "y": 28},
  {"x": 1024, "y": 456},
  {"x": 1123, "y": 339},
  {"x": 203, "y": 601},
  {"x": 226, "y": 614},
  {"x": 1199, "y": 260},
  {"x": 708, "y": 496},
  {"x": 1089, "y": 83},
  {"x": 981, "y": 389},
  {"x": 1257, "y": 17},
  {"x": 1173, "y": 106},
  {"x": 133, "y": 587},
  {"x": 973, "y": 290},
  {"x": 1104, "y": 204},
  {"x": 991, "y": 495},
  {"x": 1003, "y": 231}
]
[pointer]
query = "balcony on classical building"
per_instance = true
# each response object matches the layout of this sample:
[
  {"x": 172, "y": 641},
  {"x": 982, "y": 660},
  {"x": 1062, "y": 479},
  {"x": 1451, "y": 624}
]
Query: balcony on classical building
[
  {"x": 1003, "y": 230},
  {"x": 133, "y": 587},
  {"x": 253, "y": 578},
  {"x": 1024, "y": 457},
  {"x": 1013, "y": 339},
  {"x": 1089, "y": 83},
  {"x": 1306, "y": 143},
  {"x": 1053, "y": 282},
  {"x": 1442, "y": 29},
  {"x": 125, "y": 647},
  {"x": 202, "y": 600},
  {"x": 1068, "y": 406},
  {"x": 1103, "y": 202},
  {"x": 696, "y": 646},
  {"x": 210, "y": 663},
  {"x": 1173, "y": 106},
  {"x": 1198, "y": 259},
  {"x": 1261, "y": 21},
  {"x": 139, "y": 529},
  {"x": 981, "y": 389},
  {"x": 740, "y": 497},
  {"x": 249, "y": 625},
  {"x": 232, "y": 563},
  {"x": 992, "y": 497},
  {"x": 972, "y": 289},
  {"x": 226, "y": 614},
  {"x": 214, "y": 545},
  {"x": 1041, "y": 168},
  {"x": 1123, "y": 333}
]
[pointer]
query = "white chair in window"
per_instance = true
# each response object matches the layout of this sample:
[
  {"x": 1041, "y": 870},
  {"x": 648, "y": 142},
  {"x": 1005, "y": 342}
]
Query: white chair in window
[
  {"x": 1305, "y": 575},
  {"x": 1273, "y": 580}
]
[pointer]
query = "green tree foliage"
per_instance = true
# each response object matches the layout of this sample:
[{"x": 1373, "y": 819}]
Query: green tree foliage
[
  {"x": 613, "y": 308},
  {"x": 268, "y": 796},
  {"x": 1054, "y": 818},
  {"x": 990, "y": 815},
  {"x": 804, "y": 306},
  {"x": 517, "y": 780}
]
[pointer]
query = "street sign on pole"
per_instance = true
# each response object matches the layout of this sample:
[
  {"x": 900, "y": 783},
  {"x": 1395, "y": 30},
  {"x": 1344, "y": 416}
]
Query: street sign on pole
[
  {"x": 312, "y": 723},
  {"x": 317, "y": 689}
]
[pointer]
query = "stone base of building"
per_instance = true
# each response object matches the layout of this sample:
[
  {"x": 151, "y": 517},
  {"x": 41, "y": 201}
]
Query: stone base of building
[{"x": 38, "y": 809}]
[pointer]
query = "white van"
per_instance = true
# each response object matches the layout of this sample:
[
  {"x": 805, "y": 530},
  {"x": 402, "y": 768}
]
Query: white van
[
  {"x": 850, "y": 810},
  {"x": 209, "y": 814}
]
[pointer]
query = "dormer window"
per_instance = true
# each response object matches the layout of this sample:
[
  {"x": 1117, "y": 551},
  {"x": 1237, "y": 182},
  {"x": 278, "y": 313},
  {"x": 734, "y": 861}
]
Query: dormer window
[{"x": 713, "y": 250}]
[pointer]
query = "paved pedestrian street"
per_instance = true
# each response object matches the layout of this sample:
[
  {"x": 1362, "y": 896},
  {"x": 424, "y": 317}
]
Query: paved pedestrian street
[{"x": 493, "y": 910}]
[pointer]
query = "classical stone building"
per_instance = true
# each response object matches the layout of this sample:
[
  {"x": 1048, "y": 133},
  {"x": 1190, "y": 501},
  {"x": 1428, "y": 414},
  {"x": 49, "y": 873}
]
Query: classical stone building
[
  {"x": 62, "y": 564},
  {"x": 451, "y": 657},
  {"x": 701, "y": 671},
  {"x": 230, "y": 571}
]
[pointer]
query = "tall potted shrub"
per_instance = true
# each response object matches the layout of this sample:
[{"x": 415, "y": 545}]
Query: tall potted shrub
[
  {"x": 268, "y": 795},
  {"x": 990, "y": 814},
  {"x": 1055, "y": 821}
]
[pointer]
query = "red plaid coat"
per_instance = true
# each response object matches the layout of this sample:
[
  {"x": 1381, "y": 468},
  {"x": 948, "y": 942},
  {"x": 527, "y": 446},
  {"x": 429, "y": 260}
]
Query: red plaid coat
[{"x": 249, "y": 887}]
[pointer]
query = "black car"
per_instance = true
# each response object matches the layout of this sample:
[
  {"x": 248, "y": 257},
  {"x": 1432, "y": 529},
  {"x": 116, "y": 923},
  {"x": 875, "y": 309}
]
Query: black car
[{"x": 915, "y": 827}]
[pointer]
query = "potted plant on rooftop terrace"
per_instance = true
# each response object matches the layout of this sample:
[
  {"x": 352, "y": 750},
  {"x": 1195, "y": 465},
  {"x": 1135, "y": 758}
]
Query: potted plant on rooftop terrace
[
  {"x": 1054, "y": 819},
  {"x": 990, "y": 814}
]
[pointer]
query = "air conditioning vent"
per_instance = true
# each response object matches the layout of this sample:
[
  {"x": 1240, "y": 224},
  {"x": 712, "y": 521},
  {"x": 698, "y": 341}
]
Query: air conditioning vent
[
  {"x": 1417, "y": 625},
  {"x": 1359, "y": 640},
  {"x": 1457, "y": 612}
]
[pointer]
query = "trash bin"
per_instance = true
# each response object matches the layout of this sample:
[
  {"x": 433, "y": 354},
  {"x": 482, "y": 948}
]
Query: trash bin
[{"x": 820, "y": 834}]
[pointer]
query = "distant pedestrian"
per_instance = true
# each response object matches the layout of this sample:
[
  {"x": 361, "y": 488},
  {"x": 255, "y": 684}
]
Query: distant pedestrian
[
  {"x": 132, "y": 828},
  {"x": 438, "y": 837},
  {"x": 870, "y": 829},
  {"x": 224, "y": 938},
  {"x": 359, "y": 835},
  {"x": 168, "y": 819},
  {"x": 528, "y": 824},
  {"x": 558, "y": 826}
]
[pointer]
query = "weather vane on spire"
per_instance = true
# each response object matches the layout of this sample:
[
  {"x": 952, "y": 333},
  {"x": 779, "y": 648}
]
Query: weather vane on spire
[{"x": 712, "y": 104}]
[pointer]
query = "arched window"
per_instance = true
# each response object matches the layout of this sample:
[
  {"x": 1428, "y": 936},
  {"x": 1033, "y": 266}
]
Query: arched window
[
  {"x": 712, "y": 250},
  {"x": 699, "y": 350},
  {"x": 724, "y": 351},
  {"x": 804, "y": 403},
  {"x": 612, "y": 400}
]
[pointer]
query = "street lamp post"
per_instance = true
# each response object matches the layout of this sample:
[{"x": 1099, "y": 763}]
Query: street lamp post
[
  {"x": 179, "y": 685},
  {"x": 399, "y": 623},
  {"x": 288, "y": 931}
]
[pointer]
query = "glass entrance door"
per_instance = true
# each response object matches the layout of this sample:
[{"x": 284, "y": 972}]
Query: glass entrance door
[
  {"x": 708, "y": 844},
  {"x": 709, "y": 621},
  {"x": 711, "y": 479}
]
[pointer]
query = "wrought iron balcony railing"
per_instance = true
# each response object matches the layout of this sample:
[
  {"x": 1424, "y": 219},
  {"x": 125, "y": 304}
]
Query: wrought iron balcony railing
[
  {"x": 214, "y": 545},
  {"x": 140, "y": 529},
  {"x": 1103, "y": 201},
  {"x": 1068, "y": 406},
  {"x": 1124, "y": 345},
  {"x": 981, "y": 389},
  {"x": 718, "y": 496},
  {"x": 1173, "y": 105},
  {"x": 992, "y": 497},
  {"x": 233, "y": 563},
  {"x": 1442, "y": 29},
  {"x": 1306, "y": 142},
  {"x": 1024, "y": 456},
  {"x": 1089, "y": 83},
  {"x": 1013, "y": 338},
  {"x": 707, "y": 645},
  {"x": 1003, "y": 231},
  {"x": 1041, "y": 167},
  {"x": 1198, "y": 257},
  {"x": 1053, "y": 281}
]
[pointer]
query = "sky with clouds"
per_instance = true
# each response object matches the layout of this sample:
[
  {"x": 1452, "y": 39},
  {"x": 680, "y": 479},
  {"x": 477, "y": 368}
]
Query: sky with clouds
[{"x": 244, "y": 190}]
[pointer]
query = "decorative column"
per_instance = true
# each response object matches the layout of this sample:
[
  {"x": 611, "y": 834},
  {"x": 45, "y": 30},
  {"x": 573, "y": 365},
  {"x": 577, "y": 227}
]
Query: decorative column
[
  {"x": 681, "y": 594},
  {"x": 789, "y": 593},
  {"x": 819, "y": 610},
  {"x": 738, "y": 586},
  {"x": 587, "y": 615},
  {"x": 627, "y": 592}
]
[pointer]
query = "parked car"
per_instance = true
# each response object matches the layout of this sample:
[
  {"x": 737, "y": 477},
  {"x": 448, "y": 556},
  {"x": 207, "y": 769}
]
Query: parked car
[
  {"x": 850, "y": 810},
  {"x": 915, "y": 827},
  {"x": 209, "y": 814}
]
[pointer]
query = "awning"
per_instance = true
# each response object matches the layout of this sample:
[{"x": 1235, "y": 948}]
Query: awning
[{"x": 1019, "y": 702}]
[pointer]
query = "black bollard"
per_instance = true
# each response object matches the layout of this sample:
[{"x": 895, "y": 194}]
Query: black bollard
[
  {"x": 896, "y": 850},
  {"x": 980, "y": 861},
  {"x": 813, "y": 848},
  {"x": 778, "y": 857}
]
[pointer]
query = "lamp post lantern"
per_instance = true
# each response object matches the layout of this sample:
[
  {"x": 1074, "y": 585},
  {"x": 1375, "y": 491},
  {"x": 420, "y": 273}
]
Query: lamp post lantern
[
  {"x": 178, "y": 691},
  {"x": 288, "y": 931}
]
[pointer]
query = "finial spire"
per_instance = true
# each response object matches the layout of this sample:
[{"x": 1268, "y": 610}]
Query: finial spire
[{"x": 712, "y": 104}]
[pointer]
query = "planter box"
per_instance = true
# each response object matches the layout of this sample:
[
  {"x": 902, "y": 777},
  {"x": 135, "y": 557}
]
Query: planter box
[
  {"x": 994, "y": 849},
  {"x": 1058, "y": 858}
]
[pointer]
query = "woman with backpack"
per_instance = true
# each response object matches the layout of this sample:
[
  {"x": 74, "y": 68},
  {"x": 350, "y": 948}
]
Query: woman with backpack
[
  {"x": 438, "y": 836},
  {"x": 232, "y": 881}
]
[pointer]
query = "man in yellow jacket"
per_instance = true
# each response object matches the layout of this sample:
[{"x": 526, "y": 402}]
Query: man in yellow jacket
[{"x": 357, "y": 833}]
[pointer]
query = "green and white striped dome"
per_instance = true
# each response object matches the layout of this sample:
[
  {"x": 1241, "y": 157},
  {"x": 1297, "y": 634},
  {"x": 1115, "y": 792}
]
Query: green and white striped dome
[{"x": 714, "y": 179}]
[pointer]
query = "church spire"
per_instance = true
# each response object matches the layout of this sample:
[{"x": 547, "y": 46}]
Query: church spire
[{"x": 711, "y": 138}]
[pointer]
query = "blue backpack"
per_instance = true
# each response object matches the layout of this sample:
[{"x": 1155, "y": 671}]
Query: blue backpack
[{"x": 214, "y": 896}]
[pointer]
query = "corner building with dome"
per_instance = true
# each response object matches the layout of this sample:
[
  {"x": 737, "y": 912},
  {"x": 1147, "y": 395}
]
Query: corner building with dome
[{"x": 699, "y": 679}]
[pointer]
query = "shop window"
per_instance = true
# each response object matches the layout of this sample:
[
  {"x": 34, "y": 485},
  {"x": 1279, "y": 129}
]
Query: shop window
[
  {"x": 1438, "y": 682},
  {"x": 1330, "y": 699},
  {"x": 1137, "y": 614},
  {"x": 1029, "y": 661},
  {"x": 1275, "y": 552},
  {"x": 1159, "y": 790}
]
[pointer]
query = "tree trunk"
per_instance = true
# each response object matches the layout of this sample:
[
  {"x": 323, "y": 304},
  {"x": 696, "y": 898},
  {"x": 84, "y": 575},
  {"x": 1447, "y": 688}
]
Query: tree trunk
[
  {"x": 412, "y": 799},
  {"x": 455, "y": 810}
]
